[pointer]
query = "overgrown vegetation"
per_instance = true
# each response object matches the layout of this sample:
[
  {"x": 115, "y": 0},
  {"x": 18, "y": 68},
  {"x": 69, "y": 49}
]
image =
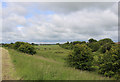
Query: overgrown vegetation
[
  {"x": 81, "y": 57},
  {"x": 102, "y": 56},
  {"x": 22, "y": 47},
  {"x": 107, "y": 61},
  {"x": 48, "y": 65}
]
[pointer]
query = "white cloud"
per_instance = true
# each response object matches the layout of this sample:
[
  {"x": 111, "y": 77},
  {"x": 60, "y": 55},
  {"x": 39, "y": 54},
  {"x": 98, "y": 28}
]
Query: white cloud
[{"x": 69, "y": 22}]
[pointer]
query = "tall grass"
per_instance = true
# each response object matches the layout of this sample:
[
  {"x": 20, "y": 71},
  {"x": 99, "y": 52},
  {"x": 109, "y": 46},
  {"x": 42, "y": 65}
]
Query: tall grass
[
  {"x": 44, "y": 67},
  {"x": 52, "y": 52}
]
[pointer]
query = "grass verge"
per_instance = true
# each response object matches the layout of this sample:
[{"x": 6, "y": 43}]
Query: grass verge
[{"x": 42, "y": 67}]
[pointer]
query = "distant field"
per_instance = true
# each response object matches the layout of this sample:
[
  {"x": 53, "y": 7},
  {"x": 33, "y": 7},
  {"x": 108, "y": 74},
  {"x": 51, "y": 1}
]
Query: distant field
[{"x": 48, "y": 64}]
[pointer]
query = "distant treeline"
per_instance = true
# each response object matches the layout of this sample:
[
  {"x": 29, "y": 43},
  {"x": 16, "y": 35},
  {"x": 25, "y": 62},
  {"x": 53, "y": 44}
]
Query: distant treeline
[{"x": 102, "y": 55}]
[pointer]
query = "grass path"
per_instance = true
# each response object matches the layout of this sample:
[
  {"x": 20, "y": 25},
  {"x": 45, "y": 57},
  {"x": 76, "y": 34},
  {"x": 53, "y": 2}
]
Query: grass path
[
  {"x": 8, "y": 71},
  {"x": 47, "y": 59}
]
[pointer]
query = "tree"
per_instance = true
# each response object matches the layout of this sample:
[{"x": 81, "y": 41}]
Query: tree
[
  {"x": 67, "y": 42},
  {"x": 104, "y": 41},
  {"x": 105, "y": 47},
  {"x": 92, "y": 40},
  {"x": 57, "y": 43},
  {"x": 94, "y": 46},
  {"x": 18, "y": 44},
  {"x": 76, "y": 42},
  {"x": 27, "y": 48},
  {"x": 81, "y": 57},
  {"x": 22, "y": 46},
  {"x": 32, "y": 43}
]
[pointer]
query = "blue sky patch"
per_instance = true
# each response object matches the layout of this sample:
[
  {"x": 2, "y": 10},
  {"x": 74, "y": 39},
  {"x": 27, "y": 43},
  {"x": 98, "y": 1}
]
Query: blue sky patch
[{"x": 4, "y": 4}]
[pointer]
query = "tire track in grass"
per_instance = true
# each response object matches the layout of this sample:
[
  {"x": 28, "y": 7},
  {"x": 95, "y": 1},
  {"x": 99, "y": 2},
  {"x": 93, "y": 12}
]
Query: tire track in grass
[{"x": 8, "y": 70}]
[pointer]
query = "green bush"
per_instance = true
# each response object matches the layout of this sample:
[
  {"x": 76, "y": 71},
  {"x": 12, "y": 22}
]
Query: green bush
[
  {"x": 70, "y": 45},
  {"x": 94, "y": 46},
  {"x": 104, "y": 41},
  {"x": 81, "y": 57},
  {"x": 105, "y": 47},
  {"x": 78, "y": 42},
  {"x": 92, "y": 40},
  {"x": 27, "y": 48},
  {"x": 109, "y": 63},
  {"x": 22, "y": 46},
  {"x": 18, "y": 44}
]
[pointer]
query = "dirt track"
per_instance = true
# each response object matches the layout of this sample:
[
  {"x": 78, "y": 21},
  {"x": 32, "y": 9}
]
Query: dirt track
[{"x": 8, "y": 71}]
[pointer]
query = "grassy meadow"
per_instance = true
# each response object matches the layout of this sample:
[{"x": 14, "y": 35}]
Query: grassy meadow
[{"x": 48, "y": 64}]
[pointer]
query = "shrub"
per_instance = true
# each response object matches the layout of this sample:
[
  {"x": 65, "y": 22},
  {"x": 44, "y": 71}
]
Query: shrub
[
  {"x": 109, "y": 63},
  {"x": 92, "y": 40},
  {"x": 11, "y": 46},
  {"x": 94, "y": 46},
  {"x": 18, "y": 44},
  {"x": 57, "y": 43},
  {"x": 22, "y": 46},
  {"x": 81, "y": 57},
  {"x": 78, "y": 42},
  {"x": 105, "y": 47},
  {"x": 70, "y": 45},
  {"x": 27, "y": 48},
  {"x": 104, "y": 41},
  {"x": 66, "y": 45}
]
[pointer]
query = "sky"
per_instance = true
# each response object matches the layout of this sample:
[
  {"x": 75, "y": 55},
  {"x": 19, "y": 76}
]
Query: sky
[{"x": 52, "y": 22}]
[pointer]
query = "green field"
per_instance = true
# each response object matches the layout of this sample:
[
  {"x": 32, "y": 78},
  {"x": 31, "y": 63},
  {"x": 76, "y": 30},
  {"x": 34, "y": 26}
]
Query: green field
[{"x": 48, "y": 64}]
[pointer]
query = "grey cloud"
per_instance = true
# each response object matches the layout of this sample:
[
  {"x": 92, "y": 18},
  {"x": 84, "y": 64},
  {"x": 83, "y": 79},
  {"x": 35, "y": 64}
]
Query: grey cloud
[
  {"x": 71, "y": 21},
  {"x": 61, "y": 7},
  {"x": 69, "y": 7}
]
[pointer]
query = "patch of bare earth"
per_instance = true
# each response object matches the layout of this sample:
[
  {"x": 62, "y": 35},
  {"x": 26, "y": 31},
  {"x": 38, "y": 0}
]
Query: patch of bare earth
[{"x": 8, "y": 70}]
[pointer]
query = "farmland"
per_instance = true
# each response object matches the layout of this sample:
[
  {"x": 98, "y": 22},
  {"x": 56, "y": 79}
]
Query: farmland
[{"x": 48, "y": 64}]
